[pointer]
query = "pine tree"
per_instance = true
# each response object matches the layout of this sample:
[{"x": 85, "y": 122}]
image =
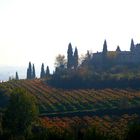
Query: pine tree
[
  {"x": 75, "y": 58},
  {"x": 17, "y": 77},
  {"x": 132, "y": 46},
  {"x": 47, "y": 71},
  {"x": 42, "y": 74},
  {"x": 69, "y": 57}
]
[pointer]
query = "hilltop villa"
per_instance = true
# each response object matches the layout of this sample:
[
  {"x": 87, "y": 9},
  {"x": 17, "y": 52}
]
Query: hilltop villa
[{"x": 118, "y": 56}]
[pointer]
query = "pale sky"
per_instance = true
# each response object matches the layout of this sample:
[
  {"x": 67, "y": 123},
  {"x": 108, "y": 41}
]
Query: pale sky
[{"x": 39, "y": 30}]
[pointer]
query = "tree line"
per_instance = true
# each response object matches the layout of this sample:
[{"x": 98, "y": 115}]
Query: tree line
[
  {"x": 75, "y": 72},
  {"x": 60, "y": 65},
  {"x": 31, "y": 74}
]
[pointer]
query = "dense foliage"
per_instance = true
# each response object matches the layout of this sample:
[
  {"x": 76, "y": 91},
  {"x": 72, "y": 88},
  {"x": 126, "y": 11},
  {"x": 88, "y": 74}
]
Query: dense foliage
[{"x": 20, "y": 113}]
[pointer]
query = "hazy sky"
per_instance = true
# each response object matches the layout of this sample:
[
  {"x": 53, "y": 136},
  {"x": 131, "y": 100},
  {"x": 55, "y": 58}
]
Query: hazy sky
[{"x": 38, "y": 30}]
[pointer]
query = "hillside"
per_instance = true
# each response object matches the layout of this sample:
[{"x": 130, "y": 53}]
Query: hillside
[
  {"x": 53, "y": 101},
  {"x": 110, "y": 111}
]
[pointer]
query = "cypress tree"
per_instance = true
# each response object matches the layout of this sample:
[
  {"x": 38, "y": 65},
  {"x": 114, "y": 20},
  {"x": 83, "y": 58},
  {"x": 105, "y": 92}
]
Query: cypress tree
[
  {"x": 105, "y": 48},
  {"x": 29, "y": 71},
  {"x": 132, "y": 46},
  {"x": 75, "y": 58},
  {"x": 104, "y": 55},
  {"x": 69, "y": 57},
  {"x": 47, "y": 71},
  {"x": 34, "y": 75},
  {"x": 17, "y": 77},
  {"x": 42, "y": 74},
  {"x": 118, "y": 49}
]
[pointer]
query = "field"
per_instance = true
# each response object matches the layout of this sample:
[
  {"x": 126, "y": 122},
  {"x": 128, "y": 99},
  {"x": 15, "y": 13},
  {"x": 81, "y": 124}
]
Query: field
[
  {"x": 52, "y": 100},
  {"x": 112, "y": 126},
  {"x": 110, "y": 109}
]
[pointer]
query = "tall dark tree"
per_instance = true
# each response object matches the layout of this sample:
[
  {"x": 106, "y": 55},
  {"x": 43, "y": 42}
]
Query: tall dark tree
[
  {"x": 29, "y": 71},
  {"x": 34, "y": 75},
  {"x": 76, "y": 58},
  {"x": 70, "y": 56},
  {"x": 104, "y": 55},
  {"x": 42, "y": 74},
  {"x": 105, "y": 48},
  {"x": 47, "y": 71},
  {"x": 118, "y": 49},
  {"x": 132, "y": 46},
  {"x": 17, "y": 77}
]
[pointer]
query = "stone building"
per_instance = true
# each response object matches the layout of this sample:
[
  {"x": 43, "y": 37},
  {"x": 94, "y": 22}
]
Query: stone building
[{"x": 118, "y": 56}]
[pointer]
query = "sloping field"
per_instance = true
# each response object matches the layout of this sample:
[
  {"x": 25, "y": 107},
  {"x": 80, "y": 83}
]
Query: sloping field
[
  {"x": 55, "y": 102},
  {"x": 109, "y": 110},
  {"x": 115, "y": 126}
]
